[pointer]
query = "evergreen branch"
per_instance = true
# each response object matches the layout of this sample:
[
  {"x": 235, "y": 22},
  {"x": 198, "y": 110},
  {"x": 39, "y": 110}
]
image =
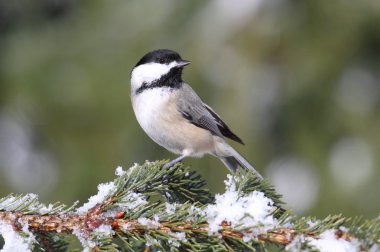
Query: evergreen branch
[
  {"x": 125, "y": 228},
  {"x": 182, "y": 216}
]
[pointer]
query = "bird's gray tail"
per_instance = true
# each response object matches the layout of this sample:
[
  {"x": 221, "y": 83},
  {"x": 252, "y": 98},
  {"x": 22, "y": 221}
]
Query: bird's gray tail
[{"x": 236, "y": 161}]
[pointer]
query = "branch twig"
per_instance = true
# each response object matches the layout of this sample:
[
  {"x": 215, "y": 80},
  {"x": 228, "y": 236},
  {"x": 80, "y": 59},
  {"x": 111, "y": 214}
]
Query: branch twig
[{"x": 67, "y": 223}]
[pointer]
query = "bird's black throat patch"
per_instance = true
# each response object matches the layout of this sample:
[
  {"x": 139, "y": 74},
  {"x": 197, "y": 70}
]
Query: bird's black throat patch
[{"x": 173, "y": 79}]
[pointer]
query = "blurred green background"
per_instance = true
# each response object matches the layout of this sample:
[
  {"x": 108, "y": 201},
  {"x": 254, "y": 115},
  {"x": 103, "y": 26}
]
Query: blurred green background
[{"x": 298, "y": 81}]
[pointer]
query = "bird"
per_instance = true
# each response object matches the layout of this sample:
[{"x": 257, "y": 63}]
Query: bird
[{"x": 174, "y": 116}]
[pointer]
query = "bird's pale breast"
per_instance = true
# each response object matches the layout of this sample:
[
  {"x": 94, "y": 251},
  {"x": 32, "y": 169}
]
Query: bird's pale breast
[{"x": 157, "y": 113}]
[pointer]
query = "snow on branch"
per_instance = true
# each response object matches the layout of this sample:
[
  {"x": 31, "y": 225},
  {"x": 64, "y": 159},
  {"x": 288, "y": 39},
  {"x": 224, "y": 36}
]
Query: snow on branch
[{"x": 150, "y": 208}]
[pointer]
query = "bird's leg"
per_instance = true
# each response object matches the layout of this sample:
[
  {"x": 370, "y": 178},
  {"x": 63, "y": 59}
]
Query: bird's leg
[{"x": 173, "y": 162}]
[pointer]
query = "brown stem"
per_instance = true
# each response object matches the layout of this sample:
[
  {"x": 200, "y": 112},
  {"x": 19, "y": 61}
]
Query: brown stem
[{"x": 67, "y": 223}]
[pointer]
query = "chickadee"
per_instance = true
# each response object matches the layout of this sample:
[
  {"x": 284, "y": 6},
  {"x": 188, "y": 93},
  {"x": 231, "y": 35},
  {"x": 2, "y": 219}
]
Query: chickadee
[{"x": 174, "y": 116}]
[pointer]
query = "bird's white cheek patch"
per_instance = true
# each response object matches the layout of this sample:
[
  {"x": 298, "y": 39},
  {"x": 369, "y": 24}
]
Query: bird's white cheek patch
[{"x": 147, "y": 73}]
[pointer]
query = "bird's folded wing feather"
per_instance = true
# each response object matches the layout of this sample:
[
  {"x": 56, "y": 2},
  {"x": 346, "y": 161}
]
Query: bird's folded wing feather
[{"x": 201, "y": 115}]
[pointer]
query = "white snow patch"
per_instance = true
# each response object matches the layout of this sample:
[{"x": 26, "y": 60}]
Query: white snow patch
[
  {"x": 150, "y": 241},
  {"x": 328, "y": 242},
  {"x": 104, "y": 190},
  {"x": 246, "y": 238},
  {"x": 174, "y": 243},
  {"x": 87, "y": 244},
  {"x": 131, "y": 169},
  {"x": 126, "y": 226},
  {"x": 100, "y": 232},
  {"x": 113, "y": 212},
  {"x": 296, "y": 244},
  {"x": 133, "y": 200},
  {"x": 119, "y": 171},
  {"x": 312, "y": 223},
  {"x": 46, "y": 209},
  {"x": 13, "y": 241},
  {"x": 129, "y": 202},
  {"x": 178, "y": 237},
  {"x": 30, "y": 199},
  {"x": 171, "y": 208},
  {"x": 12, "y": 201},
  {"x": 252, "y": 210},
  {"x": 104, "y": 231},
  {"x": 151, "y": 224},
  {"x": 195, "y": 212},
  {"x": 181, "y": 236}
]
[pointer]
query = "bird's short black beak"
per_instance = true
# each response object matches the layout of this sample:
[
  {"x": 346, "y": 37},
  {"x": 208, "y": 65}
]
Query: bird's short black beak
[{"x": 183, "y": 63}]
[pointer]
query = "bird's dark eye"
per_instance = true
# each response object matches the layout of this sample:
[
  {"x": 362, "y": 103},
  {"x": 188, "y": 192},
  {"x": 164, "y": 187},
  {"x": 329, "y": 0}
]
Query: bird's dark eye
[{"x": 162, "y": 60}]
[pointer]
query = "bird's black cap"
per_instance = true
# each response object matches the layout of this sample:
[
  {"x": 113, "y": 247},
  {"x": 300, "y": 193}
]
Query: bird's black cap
[{"x": 162, "y": 56}]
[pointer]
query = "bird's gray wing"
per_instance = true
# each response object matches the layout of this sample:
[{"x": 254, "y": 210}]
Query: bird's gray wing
[{"x": 201, "y": 115}]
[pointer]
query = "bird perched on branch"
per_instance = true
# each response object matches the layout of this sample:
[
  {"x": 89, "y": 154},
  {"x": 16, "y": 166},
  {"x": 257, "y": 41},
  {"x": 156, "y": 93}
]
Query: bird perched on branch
[{"x": 174, "y": 116}]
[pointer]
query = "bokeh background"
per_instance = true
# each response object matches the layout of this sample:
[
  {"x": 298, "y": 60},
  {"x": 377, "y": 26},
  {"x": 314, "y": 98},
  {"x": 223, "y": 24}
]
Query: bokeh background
[{"x": 298, "y": 81}]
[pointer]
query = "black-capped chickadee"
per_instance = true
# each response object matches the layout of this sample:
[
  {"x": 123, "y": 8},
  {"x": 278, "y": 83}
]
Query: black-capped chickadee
[{"x": 174, "y": 116}]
